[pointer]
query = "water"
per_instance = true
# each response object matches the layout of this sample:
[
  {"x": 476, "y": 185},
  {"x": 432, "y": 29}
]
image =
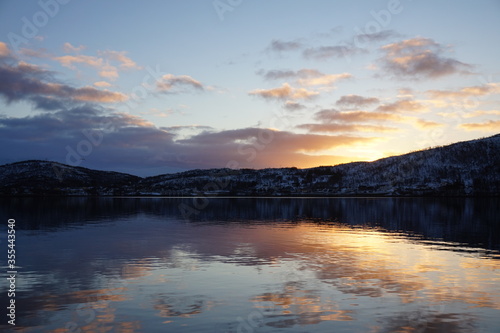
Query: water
[{"x": 255, "y": 265}]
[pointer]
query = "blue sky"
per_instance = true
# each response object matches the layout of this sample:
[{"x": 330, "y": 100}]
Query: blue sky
[{"x": 164, "y": 86}]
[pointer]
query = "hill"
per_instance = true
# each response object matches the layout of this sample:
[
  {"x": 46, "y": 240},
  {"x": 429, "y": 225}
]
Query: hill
[
  {"x": 36, "y": 177},
  {"x": 470, "y": 168}
]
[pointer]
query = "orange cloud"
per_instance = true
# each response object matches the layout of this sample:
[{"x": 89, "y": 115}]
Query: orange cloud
[
  {"x": 68, "y": 48},
  {"x": 69, "y": 61},
  {"x": 109, "y": 72},
  {"x": 84, "y": 94},
  {"x": 335, "y": 127},
  {"x": 103, "y": 64},
  {"x": 478, "y": 113},
  {"x": 491, "y": 125},
  {"x": 102, "y": 84},
  {"x": 425, "y": 124},
  {"x": 305, "y": 76},
  {"x": 125, "y": 62},
  {"x": 402, "y": 106},
  {"x": 131, "y": 120},
  {"x": 284, "y": 92},
  {"x": 91, "y": 94},
  {"x": 351, "y": 121},
  {"x": 325, "y": 79},
  {"x": 473, "y": 91},
  {"x": 4, "y": 50}
]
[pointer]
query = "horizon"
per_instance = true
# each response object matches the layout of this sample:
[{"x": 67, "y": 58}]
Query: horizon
[
  {"x": 257, "y": 169},
  {"x": 167, "y": 87}
]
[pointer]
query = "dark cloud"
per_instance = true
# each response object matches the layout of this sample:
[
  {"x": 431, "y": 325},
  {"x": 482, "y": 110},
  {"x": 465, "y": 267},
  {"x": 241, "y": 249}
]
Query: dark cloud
[
  {"x": 24, "y": 81},
  {"x": 330, "y": 52},
  {"x": 170, "y": 83},
  {"x": 80, "y": 131},
  {"x": 48, "y": 103},
  {"x": 278, "y": 74},
  {"x": 273, "y": 141},
  {"x": 123, "y": 142},
  {"x": 376, "y": 36},
  {"x": 284, "y": 46},
  {"x": 356, "y": 101},
  {"x": 187, "y": 127},
  {"x": 293, "y": 106},
  {"x": 418, "y": 58},
  {"x": 331, "y": 115}
]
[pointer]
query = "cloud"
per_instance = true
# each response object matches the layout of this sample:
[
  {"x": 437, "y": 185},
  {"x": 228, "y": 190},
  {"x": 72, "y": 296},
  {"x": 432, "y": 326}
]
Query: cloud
[
  {"x": 335, "y": 128},
  {"x": 332, "y": 120},
  {"x": 49, "y": 103},
  {"x": 120, "y": 57},
  {"x": 356, "y": 101},
  {"x": 324, "y": 80},
  {"x": 478, "y": 113},
  {"x": 32, "y": 53},
  {"x": 283, "y": 46},
  {"x": 132, "y": 143},
  {"x": 403, "y": 105},
  {"x": 329, "y": 52},
  {"x": 331, "y": 115},
  {"x": 179, "y": 128},
  {"x": 375, "y": 37},
  {"x": 68, "y": 48},
  {"x": 279, "y": 141},
  {"x": 102, "y": 84},
  {"x": 4, "y": 51},
  {"x": 79, "y": 126},
  {"x": 277, "y": 74},
  {"x": 293, "y": 106},
  {"x": 488, "y": 126},
  {"x": 109, "y": 72},
  {"x": 425, "y": 124},
  {"x": 473, "y": 91},
  {"x": 70, "y": 60},
  {"x": 284, "y": 92},
  {"x": 418, "y": 58},
  {"x": 170, "y": 83},
  {"x": 305, "y": 77},
  {"x": 28, "y": 82},
  {"x": 105, "y": 64},
  {"x": 90, "y": 94}
]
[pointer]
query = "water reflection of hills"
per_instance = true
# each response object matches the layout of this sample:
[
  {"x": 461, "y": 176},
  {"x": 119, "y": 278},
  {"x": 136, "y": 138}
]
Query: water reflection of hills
[
  {"x": 97, "y": 251},
  {"x": 468, "y": 221}
]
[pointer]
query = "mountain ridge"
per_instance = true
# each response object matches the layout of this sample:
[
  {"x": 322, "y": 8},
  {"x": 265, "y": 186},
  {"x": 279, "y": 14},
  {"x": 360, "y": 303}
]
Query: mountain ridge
[{"x": 467, "y": 168}]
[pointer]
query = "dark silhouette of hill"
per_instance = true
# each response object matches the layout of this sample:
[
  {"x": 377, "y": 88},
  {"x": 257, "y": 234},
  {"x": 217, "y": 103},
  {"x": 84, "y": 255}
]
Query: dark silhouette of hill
[{"x": 469, "y": 168}]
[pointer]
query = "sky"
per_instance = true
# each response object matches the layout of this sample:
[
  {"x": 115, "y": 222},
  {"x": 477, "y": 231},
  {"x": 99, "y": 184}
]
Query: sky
[{"x": 157, "y": 87}]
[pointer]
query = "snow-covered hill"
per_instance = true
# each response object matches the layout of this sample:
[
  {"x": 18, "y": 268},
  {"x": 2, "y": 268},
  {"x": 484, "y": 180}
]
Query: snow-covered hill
[{"x": 464, "y": 168}]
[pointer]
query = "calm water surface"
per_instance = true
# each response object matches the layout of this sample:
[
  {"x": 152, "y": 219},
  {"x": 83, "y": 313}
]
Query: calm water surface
[{"x": 255, "y": 265}]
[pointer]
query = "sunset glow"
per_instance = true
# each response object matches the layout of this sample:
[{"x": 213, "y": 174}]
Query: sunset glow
[{"x": 170, "y": 86}]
